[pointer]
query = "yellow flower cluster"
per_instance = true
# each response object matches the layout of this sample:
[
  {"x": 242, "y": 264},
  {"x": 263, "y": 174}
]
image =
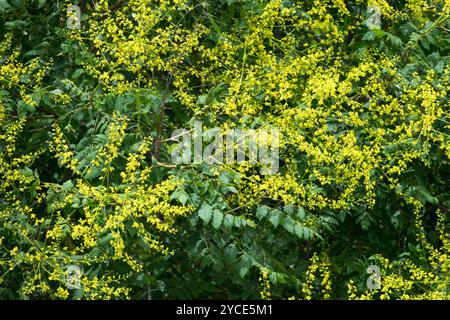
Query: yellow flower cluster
[
  {"x": 15, "y": 75},
  {"x": 108, "y": 209},
  {"x": 265, "y": 283},
  {"x": 319, "y": 266},
  {"x": 343, "y": 129},
  {"x": 107, "y": 153},
  {"x": 132, "y": 41},
  {"x": 344, "y": 150},
  {"x": 62, "y": 149},
  {"x": 406, "y": 279},
  {"x": 99, "y": 216}
]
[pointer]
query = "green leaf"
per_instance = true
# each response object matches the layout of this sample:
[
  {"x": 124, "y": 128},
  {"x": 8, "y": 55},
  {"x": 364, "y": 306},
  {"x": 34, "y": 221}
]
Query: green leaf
[
  {"x": 4, "y": 6},
  {"x": 289, "y": 209},
  {"x": 369, "y": 36},
  {"x": 205, "y": 213},
  {"x": 68, "y": 185},
  {"x": 228, "y": 221},
  {"x": 395, "y": 41},
  {"x": 262, "y": 212},
  {"x": 275, "y": 217},
  {"x": 289, "y": 225},
  {"x": 77, "y": 73},
  {"x": 180, "y": 195},
  {"x": 379, "y": 33},
  {"x": 277, "y": 278},
  {"x": 16, "y": 25},
  {"x": 217, "y": 219},
  {"x": 41, "y": 3},
  {"x": 298, "y": 230},
  {"x": 439, "y": 66},
  {"x": 308, "y": 233},
  {"x": 301, "y": 213},
  {"x": 105, "y": 239},
  {"x": 243, "y": 272}
]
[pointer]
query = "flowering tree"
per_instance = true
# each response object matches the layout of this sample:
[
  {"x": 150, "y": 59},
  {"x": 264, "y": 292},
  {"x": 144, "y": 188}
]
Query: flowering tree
[{"x": 91, "y": 92}]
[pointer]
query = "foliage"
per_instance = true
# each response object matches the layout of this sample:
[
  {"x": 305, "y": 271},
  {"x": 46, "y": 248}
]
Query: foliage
[{"x": 86, "y": 177}]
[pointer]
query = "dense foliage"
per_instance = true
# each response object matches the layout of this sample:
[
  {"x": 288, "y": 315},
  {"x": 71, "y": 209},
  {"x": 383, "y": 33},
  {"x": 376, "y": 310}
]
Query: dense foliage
[{"x": 358, "y": 90}]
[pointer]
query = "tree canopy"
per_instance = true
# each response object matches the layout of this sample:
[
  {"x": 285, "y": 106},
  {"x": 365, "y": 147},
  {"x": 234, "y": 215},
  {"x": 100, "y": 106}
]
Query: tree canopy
[{"x": 92, "y": 205}]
